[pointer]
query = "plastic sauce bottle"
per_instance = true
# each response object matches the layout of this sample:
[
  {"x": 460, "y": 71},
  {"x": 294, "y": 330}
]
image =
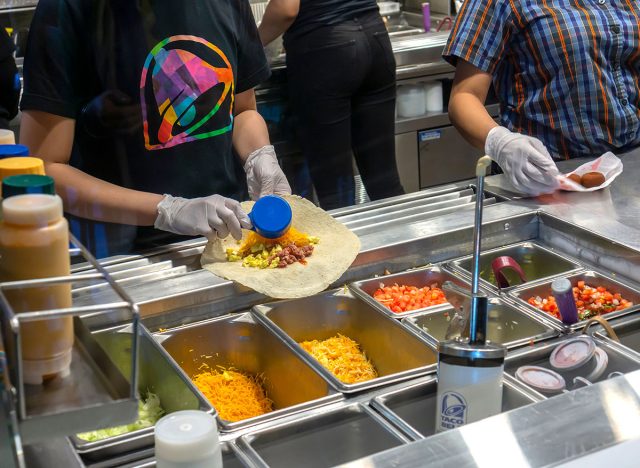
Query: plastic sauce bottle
[
  {"x": 187, "y": 439},
  {"x": 34, "y": 243},
  {"x": 563, "y": 293},
  {"x": 469, "y": 383}
]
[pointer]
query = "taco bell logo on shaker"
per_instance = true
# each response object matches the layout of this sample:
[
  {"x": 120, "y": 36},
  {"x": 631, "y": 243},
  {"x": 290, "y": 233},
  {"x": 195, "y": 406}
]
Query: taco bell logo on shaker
[{"x": 453, "y": 410}]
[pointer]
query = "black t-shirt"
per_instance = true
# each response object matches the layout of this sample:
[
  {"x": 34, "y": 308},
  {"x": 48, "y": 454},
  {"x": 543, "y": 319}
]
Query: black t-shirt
[
  {"x": 179, "y": 62},
  {"x": 316, "y": 13},
  {"x": 9, "y": 81}
]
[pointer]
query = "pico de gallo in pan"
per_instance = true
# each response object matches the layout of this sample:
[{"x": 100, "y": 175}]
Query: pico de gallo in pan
[
  {"x": 591, "y": 301},
  {"x": 400, "y": 298}
]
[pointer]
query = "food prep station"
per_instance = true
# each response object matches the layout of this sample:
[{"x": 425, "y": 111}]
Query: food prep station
[{"x": 189, "y": 318}]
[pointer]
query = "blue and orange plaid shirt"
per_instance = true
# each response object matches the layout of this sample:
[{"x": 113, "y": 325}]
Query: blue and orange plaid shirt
[{"x": 565, "y": 71}]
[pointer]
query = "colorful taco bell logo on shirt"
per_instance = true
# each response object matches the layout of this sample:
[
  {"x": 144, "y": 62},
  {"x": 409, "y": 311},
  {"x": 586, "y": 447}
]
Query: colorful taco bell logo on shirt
[{"x": 186, "y": 92}]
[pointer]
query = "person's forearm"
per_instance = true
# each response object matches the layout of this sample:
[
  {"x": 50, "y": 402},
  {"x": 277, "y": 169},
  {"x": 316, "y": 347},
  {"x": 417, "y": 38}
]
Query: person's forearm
[
  {"x": 249, "y": 133},
  {"x": 471, "y": 118},
  {"x": 277, "y": 18},
  {"x": 88, "y": 197}
]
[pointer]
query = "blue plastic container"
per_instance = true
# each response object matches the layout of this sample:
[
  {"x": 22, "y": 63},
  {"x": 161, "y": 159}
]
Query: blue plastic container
[{"x": 271, "y": 216}]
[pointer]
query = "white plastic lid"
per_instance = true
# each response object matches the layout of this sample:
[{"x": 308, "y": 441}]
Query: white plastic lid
[
  {"x": 32, "y": 210},
  {"x": 186, "y": 437},
  {"x": 572, "y": 354},
  {"x": 541, "y": 379}
]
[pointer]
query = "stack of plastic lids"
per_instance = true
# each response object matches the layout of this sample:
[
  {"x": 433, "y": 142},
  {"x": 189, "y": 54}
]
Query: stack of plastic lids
[{"x": 388, "y": 8}]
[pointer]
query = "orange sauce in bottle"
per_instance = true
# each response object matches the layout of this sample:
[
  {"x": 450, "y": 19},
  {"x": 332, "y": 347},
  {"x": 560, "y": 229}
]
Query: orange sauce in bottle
[{"x": 34, "y": 243}]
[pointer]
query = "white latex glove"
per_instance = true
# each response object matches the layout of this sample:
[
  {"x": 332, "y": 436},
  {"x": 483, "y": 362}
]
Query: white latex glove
[
  {"x": 524, "y": 160},
  {"x": 213, "y": 217},
  {"x": 264, "y": 176}
]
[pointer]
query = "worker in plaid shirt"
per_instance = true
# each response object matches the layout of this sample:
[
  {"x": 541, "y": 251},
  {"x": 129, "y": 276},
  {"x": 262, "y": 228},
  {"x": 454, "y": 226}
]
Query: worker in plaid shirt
[{"x": 567, "y": 76}]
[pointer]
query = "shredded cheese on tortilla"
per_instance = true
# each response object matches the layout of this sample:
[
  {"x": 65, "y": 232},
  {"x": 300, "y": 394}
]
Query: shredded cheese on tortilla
[
  {"x": 236, "y": 396},
  {"x": 292, "y": 236},
  {"x": 343, "y": 357}
]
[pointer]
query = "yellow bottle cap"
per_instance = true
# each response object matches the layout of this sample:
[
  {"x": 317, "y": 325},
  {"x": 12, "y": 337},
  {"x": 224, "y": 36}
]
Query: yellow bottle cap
[{"x": 19, "y": 166}]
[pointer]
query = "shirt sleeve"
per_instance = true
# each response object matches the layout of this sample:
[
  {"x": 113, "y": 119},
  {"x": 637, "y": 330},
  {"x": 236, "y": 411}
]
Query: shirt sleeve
[
  {"x": 480, "y": 33},
  {"x": 52, "y": 60},
  {"x": 253, "y": 67}
]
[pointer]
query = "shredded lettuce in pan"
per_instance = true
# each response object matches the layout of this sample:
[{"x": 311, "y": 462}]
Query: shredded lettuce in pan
[{"x": 149, "y": 412}]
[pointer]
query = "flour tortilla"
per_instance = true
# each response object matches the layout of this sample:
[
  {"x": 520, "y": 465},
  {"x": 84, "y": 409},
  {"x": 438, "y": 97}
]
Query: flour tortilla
[{"x": 337, "y": 249}]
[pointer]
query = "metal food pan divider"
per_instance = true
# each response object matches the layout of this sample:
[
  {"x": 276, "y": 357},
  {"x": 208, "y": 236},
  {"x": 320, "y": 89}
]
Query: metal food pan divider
[
  {"x": 396, "y": 352},
  {"x": 331, "y": 438},
  {"x": 239, "y": 342},
  {"x": 592, "y": 278},
  {"x": 413, "y": 409},
  {"x": 508, "y": 324},
  {"x": 620, "y": 360},
  {"x": 537, "y": 262},
  {"x": 418, "y": 277},
  {"x": 156, "y": 374}
]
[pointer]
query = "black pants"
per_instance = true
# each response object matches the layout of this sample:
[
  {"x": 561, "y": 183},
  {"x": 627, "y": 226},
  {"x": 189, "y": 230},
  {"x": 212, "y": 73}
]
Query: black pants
[{"x": 342, "y": 88}]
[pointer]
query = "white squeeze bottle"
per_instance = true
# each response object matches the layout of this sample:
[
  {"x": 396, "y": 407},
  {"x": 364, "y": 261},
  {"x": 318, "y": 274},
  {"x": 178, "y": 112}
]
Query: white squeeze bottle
[
  {"x": 469, "y": 383},
  {"x": 187, "y": 439},
  {"x": 34, "y": 243}
]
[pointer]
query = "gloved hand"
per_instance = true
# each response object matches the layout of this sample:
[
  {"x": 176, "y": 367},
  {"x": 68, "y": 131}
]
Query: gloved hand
[
  {"x": 264, "y": 176},
  {"x": 213, "y": 217},
  {"x": 524, "y": 160},
  {"x": 111, "y": 112}
]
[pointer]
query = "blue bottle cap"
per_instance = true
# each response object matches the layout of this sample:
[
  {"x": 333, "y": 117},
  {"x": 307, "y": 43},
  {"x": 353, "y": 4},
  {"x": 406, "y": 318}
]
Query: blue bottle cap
[
  {"x": 11, "y": 151},
  {"x": 271, "y": 216}
]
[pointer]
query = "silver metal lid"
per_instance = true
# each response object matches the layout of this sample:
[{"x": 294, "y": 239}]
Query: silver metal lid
[{"x": 463, "y": 349}]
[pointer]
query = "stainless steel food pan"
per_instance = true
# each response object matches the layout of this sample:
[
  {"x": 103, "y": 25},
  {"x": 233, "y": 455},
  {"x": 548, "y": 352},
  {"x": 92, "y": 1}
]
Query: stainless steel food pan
[
  {"x": 395, "y": 352},
  {"x": 240, "y": 342},
  {"x": 419, "y": 277},
  {"x": 620, "y": 360},
  {"x": 413, "y": 409},
  {"x": 322, "y": 440},
  {"x": 507, "y": 325},
  {"x": 537, "y": 263},
  {"x": 543, "y": 289},
  {"x": 156, "y": 374}
]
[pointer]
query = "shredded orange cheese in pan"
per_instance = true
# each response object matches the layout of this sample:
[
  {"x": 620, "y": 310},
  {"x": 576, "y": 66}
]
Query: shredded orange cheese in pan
[
  {"x": 292, "y": 236},
  {"x": 236, "y": 396},
  {"x": 343, "y": 357}
]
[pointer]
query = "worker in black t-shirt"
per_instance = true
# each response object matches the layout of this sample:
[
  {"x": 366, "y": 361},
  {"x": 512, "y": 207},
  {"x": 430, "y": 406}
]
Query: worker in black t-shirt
[
  {"x": 9, "y": 81},
  {"x": 127, "y": 100},
  {"x": 341, "y": 74}
]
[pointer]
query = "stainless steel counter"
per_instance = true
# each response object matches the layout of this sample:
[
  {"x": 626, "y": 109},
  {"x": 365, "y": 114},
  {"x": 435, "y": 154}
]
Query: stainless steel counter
[
  {"x": 429, "y": 227},
  {"x": 548, "y": 433}
]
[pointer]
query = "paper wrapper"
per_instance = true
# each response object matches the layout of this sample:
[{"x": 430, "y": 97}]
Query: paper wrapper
[
  {"x": 608, "y": 164},
  {"x": 331, "y": 257}
]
